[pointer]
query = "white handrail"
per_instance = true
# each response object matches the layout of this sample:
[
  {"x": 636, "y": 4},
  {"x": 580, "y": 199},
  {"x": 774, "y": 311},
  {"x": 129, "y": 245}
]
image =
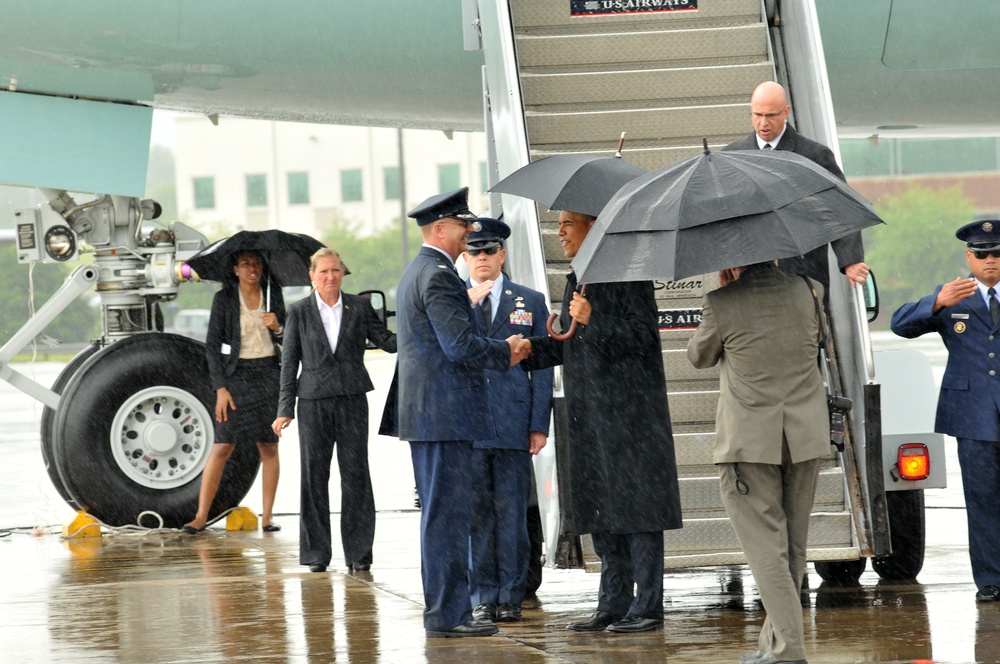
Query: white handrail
[{"x": 866, "y": 340}]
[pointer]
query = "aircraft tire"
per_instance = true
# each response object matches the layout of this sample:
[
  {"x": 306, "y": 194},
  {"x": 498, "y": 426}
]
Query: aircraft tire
[
  {"x": 907, "y": 532},
  {"x": 134, "y": 429},
  {"x": 841, "y": 572},
  {"x": 48, "y": 418}
]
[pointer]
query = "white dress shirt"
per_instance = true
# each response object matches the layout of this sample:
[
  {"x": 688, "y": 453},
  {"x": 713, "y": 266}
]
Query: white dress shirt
[{"x": 331, "y": 317}]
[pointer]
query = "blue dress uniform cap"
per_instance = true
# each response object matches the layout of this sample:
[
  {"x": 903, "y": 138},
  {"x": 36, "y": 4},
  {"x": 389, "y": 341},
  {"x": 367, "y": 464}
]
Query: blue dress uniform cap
[
  {"x": 490, "y": 233},
  {"x": 453, "y": 204},
  {"x": 981, "y": 235}
]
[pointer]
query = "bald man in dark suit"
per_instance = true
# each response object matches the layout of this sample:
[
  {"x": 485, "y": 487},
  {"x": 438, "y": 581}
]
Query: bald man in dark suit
[{"x": 769, "y": 111}]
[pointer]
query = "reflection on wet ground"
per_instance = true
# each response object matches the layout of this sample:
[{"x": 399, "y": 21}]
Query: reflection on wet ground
[
  {"x": 225, "y": 597},
  {"x": 228, "y": 597}
]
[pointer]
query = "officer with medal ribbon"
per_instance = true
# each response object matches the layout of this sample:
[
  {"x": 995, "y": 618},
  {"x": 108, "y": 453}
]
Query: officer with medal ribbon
[
  {"x": 521, "y": 403},
  {"x": 443, "y": 405},
  {"x": 966, "y": 313}
]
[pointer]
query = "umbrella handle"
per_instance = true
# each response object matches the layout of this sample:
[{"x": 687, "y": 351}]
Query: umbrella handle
[{"x": 568, "y": 334}]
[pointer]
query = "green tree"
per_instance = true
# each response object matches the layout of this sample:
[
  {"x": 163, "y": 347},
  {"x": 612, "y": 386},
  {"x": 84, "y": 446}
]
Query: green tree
[
  {"x": 79, "y": 322},
  {"x": 376, "y": 262},
  {"x": 916, "y": 249}
]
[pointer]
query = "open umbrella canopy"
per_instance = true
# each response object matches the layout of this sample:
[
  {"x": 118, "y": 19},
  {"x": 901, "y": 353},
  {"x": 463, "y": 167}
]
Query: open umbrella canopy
[
  {"x": 719, "y": 210},
  {"x": 286, "y": 256},
  {"x": 575, "y": 182}
]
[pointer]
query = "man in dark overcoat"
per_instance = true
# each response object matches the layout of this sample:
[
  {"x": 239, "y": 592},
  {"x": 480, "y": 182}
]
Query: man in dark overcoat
[
  {"x": 622, "y": 473},
  {"x": 443, "y": 405},
  {"x": 769, "y": 111}
]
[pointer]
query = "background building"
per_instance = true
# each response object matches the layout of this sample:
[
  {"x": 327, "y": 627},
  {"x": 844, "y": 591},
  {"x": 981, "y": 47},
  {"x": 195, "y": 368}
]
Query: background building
[{"x": 253, "y": 174}]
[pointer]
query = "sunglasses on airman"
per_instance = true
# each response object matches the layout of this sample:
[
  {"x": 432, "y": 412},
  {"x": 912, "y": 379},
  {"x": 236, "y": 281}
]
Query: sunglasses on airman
[
  {"x": 981, "y": 255},
  {"x": 489, "y": 252}
]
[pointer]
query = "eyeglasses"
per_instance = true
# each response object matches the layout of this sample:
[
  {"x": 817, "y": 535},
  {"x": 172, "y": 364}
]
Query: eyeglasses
[
  {"x": 489, "y": 252},
  {"x": 768, "y": 116},
  {"x": 981, "y": 255},
  {"x": 467, "y": 224}
]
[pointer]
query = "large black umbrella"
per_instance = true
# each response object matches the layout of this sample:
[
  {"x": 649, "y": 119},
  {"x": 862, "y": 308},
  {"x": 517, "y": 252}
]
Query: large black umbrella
[
  {"x": 719, "y": 210},
  {"x": 575, "y": 182},
  {"x": 286, "y": 256}
]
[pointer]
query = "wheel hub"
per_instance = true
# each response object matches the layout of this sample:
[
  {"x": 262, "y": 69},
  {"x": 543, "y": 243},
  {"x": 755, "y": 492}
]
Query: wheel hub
[{"x": 161, "y": 437}]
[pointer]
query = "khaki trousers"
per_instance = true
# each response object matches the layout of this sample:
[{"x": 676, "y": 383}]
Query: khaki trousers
[{"x": 771, "y": 521}]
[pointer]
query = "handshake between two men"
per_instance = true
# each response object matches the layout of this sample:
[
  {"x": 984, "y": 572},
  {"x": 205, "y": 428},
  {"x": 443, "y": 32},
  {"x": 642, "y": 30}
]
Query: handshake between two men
[{"x": 520, "y": 348}]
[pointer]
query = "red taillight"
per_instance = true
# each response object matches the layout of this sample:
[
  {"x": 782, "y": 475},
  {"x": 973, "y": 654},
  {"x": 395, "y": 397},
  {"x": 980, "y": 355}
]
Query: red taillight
[{"x": 914, "y": 461}]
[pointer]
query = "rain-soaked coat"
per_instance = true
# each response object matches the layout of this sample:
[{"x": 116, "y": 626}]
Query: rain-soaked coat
[{"x": 620, "y": 469}]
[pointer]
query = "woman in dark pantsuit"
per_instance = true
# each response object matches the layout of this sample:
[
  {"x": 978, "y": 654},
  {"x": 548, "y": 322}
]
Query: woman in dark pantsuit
[
  {"x": 326, "y": 337},
  {"x": 245, "y": 371}
]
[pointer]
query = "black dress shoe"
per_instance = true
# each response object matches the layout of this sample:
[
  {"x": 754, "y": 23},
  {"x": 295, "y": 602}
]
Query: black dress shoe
[
  {"x": 485, "y": 612},
  {"x": 316, "y": 567},
  {"x": 471, "y": 628},
  {"x": 633, "y": 623},
  {"x": 359, "y": 567},
  {"x": 271, "y": 528},
  {"x": 508, "y": 613},
  {"x": 988, "y": 594},
  {"x": 597, "y": 623}
]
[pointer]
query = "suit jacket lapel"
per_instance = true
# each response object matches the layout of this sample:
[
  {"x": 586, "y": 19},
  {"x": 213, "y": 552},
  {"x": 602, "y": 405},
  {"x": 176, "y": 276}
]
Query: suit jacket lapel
[{"x": 346, "y": 319}]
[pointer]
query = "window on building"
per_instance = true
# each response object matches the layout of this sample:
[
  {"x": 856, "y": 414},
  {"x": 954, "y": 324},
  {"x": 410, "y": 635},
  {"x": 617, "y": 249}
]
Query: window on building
[
  {"x": 298, "y": 189},
  {"x": 256, "y": 190},
  {"x": 350, "y": 186},
  {"x": 484, "y": 177},
  {"x": 390, "y": 176},
  {"x": 448, "y": 177},
  {"x": 204, "y": 193}
]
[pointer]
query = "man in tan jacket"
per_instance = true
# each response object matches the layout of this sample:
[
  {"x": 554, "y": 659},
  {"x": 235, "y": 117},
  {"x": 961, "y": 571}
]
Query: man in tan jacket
[{"x": 772, "y": 428}]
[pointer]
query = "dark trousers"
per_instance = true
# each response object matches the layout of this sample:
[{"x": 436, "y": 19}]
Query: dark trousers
[
  {"x": 324, "y": 424},
  {"x": 441, "y": 470},
  {"x": 631, "y": 560},
  {"x": 498, "y": 567},
  {"x": 980, "y": 463}
]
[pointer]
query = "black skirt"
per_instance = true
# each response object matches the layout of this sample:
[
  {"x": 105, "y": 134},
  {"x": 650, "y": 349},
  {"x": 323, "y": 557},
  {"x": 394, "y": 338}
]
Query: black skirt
[{"x": 254, "y": 387}]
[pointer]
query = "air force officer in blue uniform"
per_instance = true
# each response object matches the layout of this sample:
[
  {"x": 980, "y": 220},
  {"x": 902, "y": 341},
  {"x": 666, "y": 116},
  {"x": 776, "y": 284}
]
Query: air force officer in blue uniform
[
  {"x": 521, "y": 405},
  {"x": 443, "y": 405},
  {"x": 966, "y": 314}
]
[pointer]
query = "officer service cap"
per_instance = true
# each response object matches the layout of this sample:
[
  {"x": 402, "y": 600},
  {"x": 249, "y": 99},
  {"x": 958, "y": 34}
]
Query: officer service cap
[
  {"x": 491, "y": 232},
  {"x": 983, "y": 235},
  {"x": 454, "y": 204}
]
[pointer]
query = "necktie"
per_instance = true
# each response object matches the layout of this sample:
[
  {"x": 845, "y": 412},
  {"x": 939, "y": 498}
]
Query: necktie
[
  {"x": 486, "y": 306},
  {"x": 994, "y": 305},
  {"x": 767, "y": 146}
]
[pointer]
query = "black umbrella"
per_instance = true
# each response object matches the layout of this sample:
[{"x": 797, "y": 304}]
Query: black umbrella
[
  {"x": 575, "y": 182},
  {"x": 719, "y": 210},
  {"x": 286, "y": 256}
]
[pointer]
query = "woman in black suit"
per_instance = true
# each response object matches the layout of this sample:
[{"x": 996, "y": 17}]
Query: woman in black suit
[
  {"x": 326, "y": 337},
  {"x": 245, "y": 372}
]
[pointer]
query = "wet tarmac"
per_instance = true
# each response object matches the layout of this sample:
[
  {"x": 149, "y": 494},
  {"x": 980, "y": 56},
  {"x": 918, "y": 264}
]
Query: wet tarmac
[{"x": 242, "y": 596}]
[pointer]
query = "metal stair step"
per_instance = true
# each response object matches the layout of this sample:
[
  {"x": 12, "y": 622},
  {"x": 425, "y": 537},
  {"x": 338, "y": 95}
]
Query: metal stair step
[{"x": 652, "y": 47}]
